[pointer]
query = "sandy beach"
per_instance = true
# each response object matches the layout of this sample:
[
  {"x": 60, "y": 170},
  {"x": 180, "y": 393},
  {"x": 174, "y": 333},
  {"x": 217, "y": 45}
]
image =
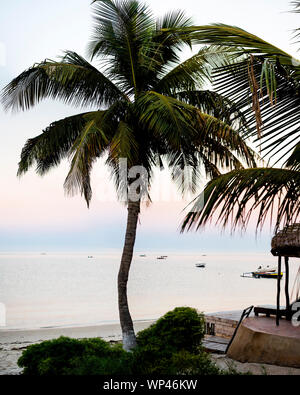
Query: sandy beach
[{"x": 13, "y": 342}]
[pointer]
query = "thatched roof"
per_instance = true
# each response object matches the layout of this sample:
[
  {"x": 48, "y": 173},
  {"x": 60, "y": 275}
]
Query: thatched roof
[{"x": 287, "y": 242}]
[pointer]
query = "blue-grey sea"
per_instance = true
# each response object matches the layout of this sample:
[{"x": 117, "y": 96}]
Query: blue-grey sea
[{"x": 46, "y": 290}]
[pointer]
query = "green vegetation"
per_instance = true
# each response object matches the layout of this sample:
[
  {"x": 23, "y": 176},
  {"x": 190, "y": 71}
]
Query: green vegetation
[
  {"x": 65, "y": 356},
  {"x": 263, "y": 81},
  {"x": 170, "y": 346},
  {"x": 180, "y": 329}
]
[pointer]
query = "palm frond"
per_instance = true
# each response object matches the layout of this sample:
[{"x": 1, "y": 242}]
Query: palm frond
[
  {"x": 280, "y": 118},
  {"x": 296, "y": 5},
  {"x": 237, "y": 196},
  {"x": 73, "y": 80},
  {"x": 218, "y": 106},
  {"x": 164, "y": 49},
  {"x": 214, "y": 133},
  {"x": 296, "y": 10},
  {"x": 88, "y": 146},
  {"x": 124, "y": 145},
  {"x": 266, "y": 81},
  {"x": 242, "y": 41},
  {"x": 185, "y": 128},
  {"x": 165, "y": 116},
  {"x": 194, "y": 72},
  {"x": 120, "y": 33},
  {"x": 293, "y": 161},
  {"x": 49, "y": 148}
]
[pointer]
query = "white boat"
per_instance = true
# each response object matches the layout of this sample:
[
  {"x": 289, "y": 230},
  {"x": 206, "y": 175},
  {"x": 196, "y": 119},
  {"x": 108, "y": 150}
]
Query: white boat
[
  {"x": 264, "y": 272},
  {"x": 268, "y": 269}
]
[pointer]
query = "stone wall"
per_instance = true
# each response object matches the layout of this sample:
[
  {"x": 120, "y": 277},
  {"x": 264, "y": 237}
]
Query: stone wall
[{"x": 218, "y": 326}]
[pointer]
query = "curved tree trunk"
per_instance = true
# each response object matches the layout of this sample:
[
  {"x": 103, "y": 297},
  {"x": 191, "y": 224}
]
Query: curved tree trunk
[{"x": 129, "y": 339}]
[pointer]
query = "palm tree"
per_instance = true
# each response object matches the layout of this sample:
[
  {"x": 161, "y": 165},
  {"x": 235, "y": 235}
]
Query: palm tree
[
  {"x": 150, "y": 110},
  {"x": 269, "y": 78}
]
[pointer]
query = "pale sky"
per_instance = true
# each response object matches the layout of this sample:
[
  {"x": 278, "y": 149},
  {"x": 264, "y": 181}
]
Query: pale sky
[{"x": 35, "y": 214}]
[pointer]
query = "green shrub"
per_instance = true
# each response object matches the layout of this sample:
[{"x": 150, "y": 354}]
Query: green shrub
[
  {"x": 185, "y": 363},
  {"x": 65, "y": 356},
  {"x": 181, "y": 329},
  {"x": 170, "y": 346}
]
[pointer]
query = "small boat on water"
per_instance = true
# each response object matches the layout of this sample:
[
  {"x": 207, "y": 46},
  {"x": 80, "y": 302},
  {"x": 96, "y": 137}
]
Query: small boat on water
[
  {"x": 268, "y": 269},
  {"x": 200, "y": 264},
  {"x": 90, "y": 256},
  {"x": 162, "y": 257},
  {"x": 267, "y": 275},
  {"x": 264, "y": 272},
  {"x": 143, "y": 255}
]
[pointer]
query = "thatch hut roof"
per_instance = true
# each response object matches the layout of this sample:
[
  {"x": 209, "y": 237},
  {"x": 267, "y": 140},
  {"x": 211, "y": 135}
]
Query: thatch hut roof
[{"x": 287, "y": 242}]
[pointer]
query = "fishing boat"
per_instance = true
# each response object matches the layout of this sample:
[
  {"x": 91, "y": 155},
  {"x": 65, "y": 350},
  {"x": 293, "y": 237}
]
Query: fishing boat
[
  {"x": 200, "y": 264},
  {"x": 268, "y": 269},
  {"x": 161, "y": 257},
  {"x": 267, "y": 275},
  {"x": 264, "y": 272}
]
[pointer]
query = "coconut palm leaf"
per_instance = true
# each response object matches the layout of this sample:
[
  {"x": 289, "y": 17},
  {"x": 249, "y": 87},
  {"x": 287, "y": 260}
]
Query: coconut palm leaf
[
  {"x": 90, "y": 144},
  {"x": 296, "y": 5},
  {"x": 242, "y": 41},
  {"x": 73, "y": 80},
  {"x": 294, "y": 160},
  {"x": 49, "y": 148},
  {"x": 280, "y": 118},
  {"x": 239, "y": 195},
  {"x": 124, "y": 145},
  {"x": 195, "y": 72},
  {"x": 296, "y": 9},
  {"x": 120, "y": 34},
  {"x": 218, "y": 106},
  {"x": 180, "y": 124},
  {"x": 266, "y": 81}
]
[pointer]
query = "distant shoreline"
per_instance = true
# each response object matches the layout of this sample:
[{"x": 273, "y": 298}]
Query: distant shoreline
[{"x": 106, "y": 331}]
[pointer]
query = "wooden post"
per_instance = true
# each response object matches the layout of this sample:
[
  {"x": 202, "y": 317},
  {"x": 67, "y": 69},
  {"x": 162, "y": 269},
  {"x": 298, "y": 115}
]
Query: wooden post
[
  {"x": 287, "y": 296},
  {"x": 278, "y": 291}
]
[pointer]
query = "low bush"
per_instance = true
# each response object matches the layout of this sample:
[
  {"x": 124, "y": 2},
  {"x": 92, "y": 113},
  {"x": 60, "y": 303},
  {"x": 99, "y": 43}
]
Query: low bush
[
  {"x": 180, "y": 329},
  {"x": 65, "y": 356},
  {"x": 161, "y": 345},
  {"x": 170, "y": 346}
]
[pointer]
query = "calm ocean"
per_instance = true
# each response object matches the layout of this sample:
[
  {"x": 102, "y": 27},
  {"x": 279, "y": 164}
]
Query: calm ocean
[{"x": 73, "y": 290}]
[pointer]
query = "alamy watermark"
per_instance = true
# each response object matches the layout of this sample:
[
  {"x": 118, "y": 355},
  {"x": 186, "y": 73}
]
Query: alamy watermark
[{"x": 133, "y": 184}]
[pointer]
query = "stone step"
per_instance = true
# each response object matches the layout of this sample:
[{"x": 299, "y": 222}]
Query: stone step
[{"x": 215, "y": 344}]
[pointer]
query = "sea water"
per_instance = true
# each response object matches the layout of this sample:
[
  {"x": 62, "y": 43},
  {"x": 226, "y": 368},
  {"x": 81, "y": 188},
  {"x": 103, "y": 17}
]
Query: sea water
[{"x": 74, "y": 290}]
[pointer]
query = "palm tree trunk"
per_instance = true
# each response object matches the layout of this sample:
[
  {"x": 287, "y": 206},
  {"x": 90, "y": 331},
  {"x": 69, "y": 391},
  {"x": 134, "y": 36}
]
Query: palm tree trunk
[{"x": 129, "y": 339}]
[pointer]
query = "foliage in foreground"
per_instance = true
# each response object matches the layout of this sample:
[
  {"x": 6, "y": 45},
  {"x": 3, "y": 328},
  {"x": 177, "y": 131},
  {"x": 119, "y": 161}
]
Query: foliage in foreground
[
  {"x": 65, "y": 356},
  {"x": 170, "y": 346}
]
